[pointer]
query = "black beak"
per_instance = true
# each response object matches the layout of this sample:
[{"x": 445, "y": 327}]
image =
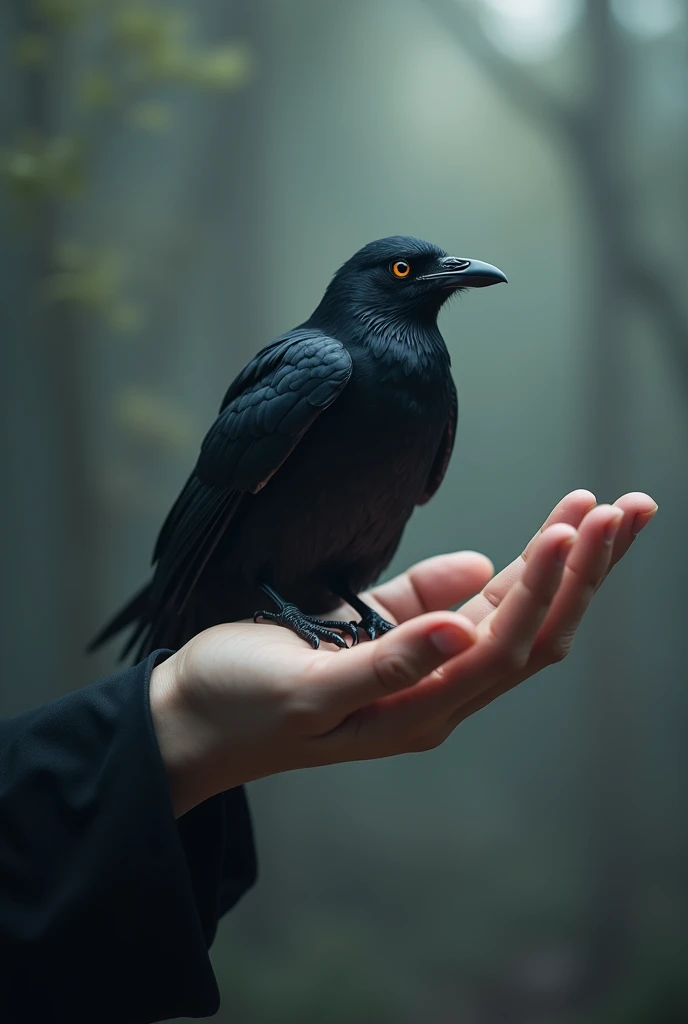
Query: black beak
[{"x": 457, "y": 273}]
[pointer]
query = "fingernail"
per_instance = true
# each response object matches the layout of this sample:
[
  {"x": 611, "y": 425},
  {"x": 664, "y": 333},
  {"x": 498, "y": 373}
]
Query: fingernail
[
  {"x": 641, "y": 520},
  {"x": 564, "y": 548},
  {"x": 448, "y": 639},
  {"x": 612, "y": 527}
]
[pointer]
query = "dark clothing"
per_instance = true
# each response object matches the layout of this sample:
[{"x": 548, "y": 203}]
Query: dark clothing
[{"x": 107, "y": 904}]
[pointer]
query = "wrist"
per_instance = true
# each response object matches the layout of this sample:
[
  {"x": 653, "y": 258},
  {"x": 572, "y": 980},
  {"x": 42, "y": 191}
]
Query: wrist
[{"x": 180, "y": 743}]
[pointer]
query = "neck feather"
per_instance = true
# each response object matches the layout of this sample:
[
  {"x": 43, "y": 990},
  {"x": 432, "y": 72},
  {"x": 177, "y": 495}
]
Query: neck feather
[{"x": 409, "y": 336}]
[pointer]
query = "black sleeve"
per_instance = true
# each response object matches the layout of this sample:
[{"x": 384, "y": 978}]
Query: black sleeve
[{"x": 107, "y": 904}]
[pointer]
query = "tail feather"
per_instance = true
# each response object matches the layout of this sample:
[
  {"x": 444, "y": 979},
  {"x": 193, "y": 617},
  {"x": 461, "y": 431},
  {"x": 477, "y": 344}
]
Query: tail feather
[{"x": 160, "y": 613}]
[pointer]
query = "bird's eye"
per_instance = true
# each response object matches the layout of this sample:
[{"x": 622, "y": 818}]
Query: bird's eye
[{"x": 401, "y": 268}]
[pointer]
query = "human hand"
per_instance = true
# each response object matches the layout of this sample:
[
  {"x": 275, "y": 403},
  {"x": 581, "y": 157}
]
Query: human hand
[{"x": 241, "y": 701}]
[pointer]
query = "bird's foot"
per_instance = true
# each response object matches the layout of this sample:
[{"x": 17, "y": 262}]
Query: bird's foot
[
  {"x": 308, "y": 627},
  {"x": 373, "y": 624}
]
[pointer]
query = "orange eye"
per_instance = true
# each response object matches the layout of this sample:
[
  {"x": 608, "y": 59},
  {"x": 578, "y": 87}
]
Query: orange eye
[{"x": 401, "y": 268}]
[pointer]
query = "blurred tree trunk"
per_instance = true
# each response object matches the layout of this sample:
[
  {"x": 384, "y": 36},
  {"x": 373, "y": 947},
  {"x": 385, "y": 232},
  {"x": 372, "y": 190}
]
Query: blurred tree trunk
[
  {"x": 48, "y": 480},
  {"x": 616, "y": 271},
  {"x": 611, "y": 747},
  {"x": 64, "y": 359},
  {"x": 237, "y": 248}
]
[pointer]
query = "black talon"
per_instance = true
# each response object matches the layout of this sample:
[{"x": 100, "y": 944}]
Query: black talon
[
  {"x": 350, "y": 628},
  {"x": 267, "y": 616},
  {"x": 374, "y": 624},
  {"x": 308, "y": 627},
  {"x": 371, "y": 621}
]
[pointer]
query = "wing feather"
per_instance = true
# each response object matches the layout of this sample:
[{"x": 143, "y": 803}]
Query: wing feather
[
  {"x": 444, "y": 450},
  {"x": 266, "y": 411}
]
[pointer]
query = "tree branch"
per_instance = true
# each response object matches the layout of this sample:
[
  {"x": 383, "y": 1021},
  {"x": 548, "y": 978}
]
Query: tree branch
[
  {"x": 517, "y": 84},
  {"x": 585, "y": 131}
]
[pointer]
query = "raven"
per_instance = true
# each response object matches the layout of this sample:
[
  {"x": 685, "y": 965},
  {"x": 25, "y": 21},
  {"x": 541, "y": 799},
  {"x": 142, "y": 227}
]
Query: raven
[{"x": 323, "y": 446}]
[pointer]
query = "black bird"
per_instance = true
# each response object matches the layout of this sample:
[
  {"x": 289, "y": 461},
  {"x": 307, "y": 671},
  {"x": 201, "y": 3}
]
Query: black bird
[{"x": 323, "y": 446}]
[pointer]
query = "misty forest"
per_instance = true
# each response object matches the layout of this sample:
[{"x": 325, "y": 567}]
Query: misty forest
[{"x": 177, "y": 185}]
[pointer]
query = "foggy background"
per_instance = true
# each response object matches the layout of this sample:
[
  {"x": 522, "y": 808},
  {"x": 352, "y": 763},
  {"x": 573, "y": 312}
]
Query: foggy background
[{"x": 178, "y": 185}]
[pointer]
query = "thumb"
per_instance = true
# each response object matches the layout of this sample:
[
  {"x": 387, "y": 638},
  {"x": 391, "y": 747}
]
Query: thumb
[{"x": 395, "y": 661}]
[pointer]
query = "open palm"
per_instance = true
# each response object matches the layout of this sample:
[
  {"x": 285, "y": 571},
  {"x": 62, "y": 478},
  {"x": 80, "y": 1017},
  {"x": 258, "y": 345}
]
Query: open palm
[
  {"x": 247, "y": 700},
  {"x": 445, "y": 580}
]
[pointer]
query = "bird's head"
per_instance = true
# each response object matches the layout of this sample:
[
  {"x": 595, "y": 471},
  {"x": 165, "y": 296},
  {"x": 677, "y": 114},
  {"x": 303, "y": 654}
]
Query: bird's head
[{"x": 401, "y": 280}]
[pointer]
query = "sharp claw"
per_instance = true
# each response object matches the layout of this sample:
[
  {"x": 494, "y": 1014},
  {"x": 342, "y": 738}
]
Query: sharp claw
[
  {"x": 334, "y": 638},
  {"x": 312, "y": 629},
  {"x": 267, "y": 617},
  {"x": 375, "y": 625},
  {"x": 329, "y": 630}
]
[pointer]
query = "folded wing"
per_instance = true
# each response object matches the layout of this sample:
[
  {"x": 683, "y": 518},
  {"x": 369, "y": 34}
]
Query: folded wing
[{"x": 264, "y": 415}]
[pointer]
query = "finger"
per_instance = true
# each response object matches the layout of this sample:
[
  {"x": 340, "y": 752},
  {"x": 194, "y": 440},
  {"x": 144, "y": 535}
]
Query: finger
[
  {"x": 394, "y": 662},
  {"x": 515, "y": 624},
  {"x": 569, "y": 606},
  {"x": 571, "y": 510},
  {"x": 501, "y": 651},
  {"x": 590, "y": 559},
  {"x": 638, "y": 509},
  {"x": 585, "y": 570},
  {"x": 434, "y": 584}
]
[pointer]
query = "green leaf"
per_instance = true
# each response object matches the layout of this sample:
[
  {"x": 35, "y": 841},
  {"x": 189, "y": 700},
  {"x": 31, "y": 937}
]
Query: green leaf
[
  {"x": 146, "y": 29},
  {"x": 92, "y": 279},
  {"x": 225, "y": 67},
  {"x": 159, "y": 42},
  {"x": 36, "y": 165}
]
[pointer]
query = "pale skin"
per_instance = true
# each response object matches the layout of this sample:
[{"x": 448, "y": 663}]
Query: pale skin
[{"x": 242, "y": 701}]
